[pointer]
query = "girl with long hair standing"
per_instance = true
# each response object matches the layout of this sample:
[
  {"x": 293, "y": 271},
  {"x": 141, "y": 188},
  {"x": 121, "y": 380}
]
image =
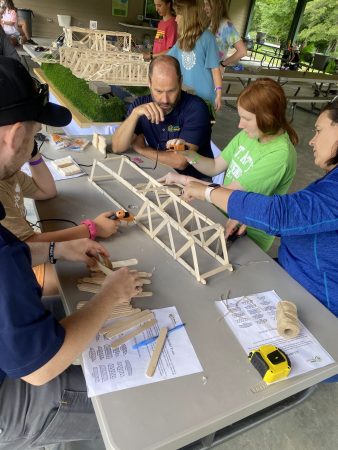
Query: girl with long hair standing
[
  {"x": 197, "y": 53},
  {"x": 226, "y": 34}
]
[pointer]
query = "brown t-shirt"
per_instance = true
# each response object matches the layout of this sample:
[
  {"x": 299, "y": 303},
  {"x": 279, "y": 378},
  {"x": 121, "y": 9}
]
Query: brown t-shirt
[{"x": 12, "y": 192}]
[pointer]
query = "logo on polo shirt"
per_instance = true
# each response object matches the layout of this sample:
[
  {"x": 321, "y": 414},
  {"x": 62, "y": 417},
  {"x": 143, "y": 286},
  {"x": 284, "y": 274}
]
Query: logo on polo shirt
[{"x": 174, "y": 128}]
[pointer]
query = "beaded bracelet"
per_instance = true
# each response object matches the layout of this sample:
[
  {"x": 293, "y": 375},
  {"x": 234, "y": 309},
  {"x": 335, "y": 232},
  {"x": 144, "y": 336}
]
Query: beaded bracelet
[
  {"x": 36, "y": 162},
  {"x": 52, "y": 260}
]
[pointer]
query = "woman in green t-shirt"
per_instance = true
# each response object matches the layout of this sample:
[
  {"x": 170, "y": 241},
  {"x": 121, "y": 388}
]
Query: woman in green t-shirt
[{"x": 261, "y": 158}]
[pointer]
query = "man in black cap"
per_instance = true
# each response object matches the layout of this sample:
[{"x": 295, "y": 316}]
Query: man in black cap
[{"x": 43, "y": 397}]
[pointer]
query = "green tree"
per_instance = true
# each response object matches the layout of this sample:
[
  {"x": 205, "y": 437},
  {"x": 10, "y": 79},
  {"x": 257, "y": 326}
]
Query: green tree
[
  {"x": 274, "y": 17},
  {"x": 320, "y": 24}
]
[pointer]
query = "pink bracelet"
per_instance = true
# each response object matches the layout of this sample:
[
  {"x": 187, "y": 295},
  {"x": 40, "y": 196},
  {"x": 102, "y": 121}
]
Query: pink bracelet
[
  {"x": 36, "y": 162},
  {"x": 91, "y": 228}
]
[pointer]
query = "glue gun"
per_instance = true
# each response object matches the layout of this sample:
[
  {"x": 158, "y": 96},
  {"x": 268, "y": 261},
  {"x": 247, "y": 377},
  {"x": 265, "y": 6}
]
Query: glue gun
[
  {"x": 121, "y": 214},
  {"x": 178, "y": 148}
]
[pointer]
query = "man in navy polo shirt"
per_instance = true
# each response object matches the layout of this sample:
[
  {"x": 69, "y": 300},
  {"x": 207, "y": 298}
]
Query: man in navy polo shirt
[
  {"x": 43, "y": 398},
  {"x": 166, "y": 117}
]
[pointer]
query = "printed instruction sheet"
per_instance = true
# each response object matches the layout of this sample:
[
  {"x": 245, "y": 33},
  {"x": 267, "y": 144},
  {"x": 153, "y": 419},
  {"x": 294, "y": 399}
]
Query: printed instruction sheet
[
  {"x": 252, "y": 319},
  {"x": 109, "y": 370}
]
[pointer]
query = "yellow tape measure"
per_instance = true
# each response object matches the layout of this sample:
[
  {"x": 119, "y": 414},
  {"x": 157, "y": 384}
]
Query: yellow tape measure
[{"x": 271, "y": 362}]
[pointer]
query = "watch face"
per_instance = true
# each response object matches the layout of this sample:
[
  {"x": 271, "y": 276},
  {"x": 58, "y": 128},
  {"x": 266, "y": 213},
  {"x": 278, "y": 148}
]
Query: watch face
[{"x": 214, "y": 185}]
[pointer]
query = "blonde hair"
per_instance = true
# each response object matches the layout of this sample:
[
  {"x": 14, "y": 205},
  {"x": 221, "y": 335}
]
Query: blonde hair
[
  {"x": 219, "y": 12},
  {"x": 190, "y": 28}
]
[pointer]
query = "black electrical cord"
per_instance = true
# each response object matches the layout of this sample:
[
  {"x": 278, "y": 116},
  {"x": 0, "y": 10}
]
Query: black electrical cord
[{"x": 145, "y": 167}]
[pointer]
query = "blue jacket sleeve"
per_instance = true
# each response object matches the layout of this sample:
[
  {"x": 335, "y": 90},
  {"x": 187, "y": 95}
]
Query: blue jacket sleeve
[{"x": 312, "y": 210}]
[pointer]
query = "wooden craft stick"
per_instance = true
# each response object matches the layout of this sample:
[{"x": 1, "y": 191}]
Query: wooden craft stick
[
  {"x": 89, "y": 287},
  {"x": 143, "y": 274},
  {"x": 117, "y": 264},
  {"x": 129, "y": 336},
  {"x": 125, "y": 314},
  {"x": 157, "y": 352},
  {"x": 130, "y": 324},
  {"x": 126, "y": 262},
  {"x": 92, "y": 280},
  {"x": 125, "y": 325},
  {"x": 104, "y": 268},
  {"x": 143, "y": 294},
  {"x": 106, "y": 262}
]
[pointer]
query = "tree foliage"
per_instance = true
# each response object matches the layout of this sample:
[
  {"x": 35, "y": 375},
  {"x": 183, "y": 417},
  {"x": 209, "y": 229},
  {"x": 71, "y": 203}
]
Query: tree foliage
[
  {"x": 274, "y": 17},
  {"x": 319, "y": 24}
]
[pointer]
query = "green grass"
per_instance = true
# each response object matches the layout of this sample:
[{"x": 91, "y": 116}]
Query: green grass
[
  {"x": 76, "y": 90},
  {"x": 137, "y": 90}
]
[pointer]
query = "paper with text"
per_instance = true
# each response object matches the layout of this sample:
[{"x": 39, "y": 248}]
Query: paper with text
[
  {"x": 252, "y": 319},
  {"x": 109, "y": 370}
]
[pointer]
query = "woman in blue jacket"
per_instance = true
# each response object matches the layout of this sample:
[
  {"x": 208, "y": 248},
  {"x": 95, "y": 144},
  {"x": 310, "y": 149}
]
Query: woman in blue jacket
[{"x": 306, "y": 221}]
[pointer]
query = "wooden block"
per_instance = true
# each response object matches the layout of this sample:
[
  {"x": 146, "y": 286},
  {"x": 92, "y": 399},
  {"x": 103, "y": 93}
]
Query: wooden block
[{"x": 157, "y": 352}]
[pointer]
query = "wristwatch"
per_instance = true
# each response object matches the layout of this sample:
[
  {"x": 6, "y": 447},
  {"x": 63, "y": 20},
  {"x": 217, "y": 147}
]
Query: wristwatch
[{"x": 209, "y": 189}]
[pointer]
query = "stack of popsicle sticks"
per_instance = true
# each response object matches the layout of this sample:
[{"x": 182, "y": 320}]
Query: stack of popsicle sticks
[
  {"x": 132, "y": 320},
  {"x": 129, "y": 327}
]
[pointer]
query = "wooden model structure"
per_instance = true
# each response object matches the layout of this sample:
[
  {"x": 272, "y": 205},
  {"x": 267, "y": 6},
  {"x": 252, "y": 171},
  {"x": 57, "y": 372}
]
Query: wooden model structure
[
  {"x": 189, "y": 236},
  {"x": 97, "y": 55}
]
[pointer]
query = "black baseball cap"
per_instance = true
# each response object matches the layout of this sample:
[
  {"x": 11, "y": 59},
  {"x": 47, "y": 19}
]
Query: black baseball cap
[{"x": 24, "y": 98}]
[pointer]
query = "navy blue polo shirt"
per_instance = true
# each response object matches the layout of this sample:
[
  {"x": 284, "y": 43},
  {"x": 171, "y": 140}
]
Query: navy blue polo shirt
[
  {"x": 29, "y": 335},
  {"x": 190, "y": 120}
]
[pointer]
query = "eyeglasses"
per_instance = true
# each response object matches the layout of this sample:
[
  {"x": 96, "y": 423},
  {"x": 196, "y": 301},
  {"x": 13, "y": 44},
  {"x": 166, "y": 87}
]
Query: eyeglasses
[{"x": 40, "y": 98}]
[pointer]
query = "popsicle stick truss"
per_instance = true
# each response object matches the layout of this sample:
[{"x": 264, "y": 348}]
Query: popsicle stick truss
[
  {"x": 189, "y": 236},
  {"x": 101, "y": 55}
]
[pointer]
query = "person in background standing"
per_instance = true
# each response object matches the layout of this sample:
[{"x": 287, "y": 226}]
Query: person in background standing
[
  {"x": 197, "y": 53},
  {"x": 166, "y": 34},
  {"x": 226, "y": 34},
  {"x": 16, "y": 30}
]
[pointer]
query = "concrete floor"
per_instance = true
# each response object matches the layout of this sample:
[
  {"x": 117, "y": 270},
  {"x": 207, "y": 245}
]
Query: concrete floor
[{"x": 312, "y": 425}]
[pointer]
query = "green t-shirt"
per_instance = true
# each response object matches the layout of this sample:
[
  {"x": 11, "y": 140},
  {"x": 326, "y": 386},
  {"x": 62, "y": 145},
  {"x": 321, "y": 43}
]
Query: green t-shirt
[{"x": 264, "y": 168}]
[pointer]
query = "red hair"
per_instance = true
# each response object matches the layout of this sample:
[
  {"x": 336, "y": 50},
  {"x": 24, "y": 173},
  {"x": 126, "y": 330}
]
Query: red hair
[{"x": 266, "y": 99}]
